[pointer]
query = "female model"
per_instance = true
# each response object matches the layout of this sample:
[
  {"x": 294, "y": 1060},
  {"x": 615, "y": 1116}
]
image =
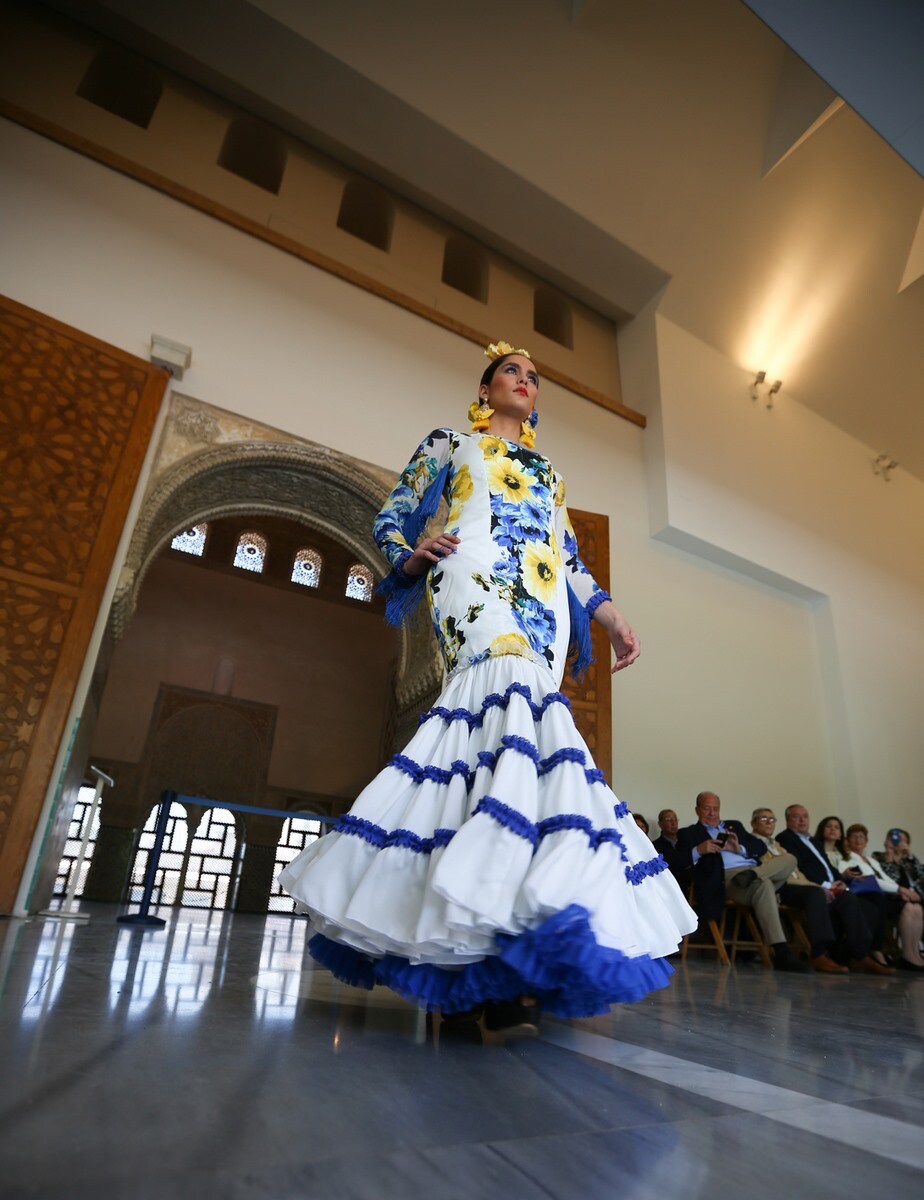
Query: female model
[{"x": 489, "y": 863}]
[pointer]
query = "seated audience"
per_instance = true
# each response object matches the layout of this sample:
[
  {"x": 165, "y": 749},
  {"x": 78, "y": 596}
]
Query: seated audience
[
  {"x": 902, "y": 904},
  {"x": 846, "y": 909},
  {"x": 828, "y": 838},
  {"x": 798, "y": 892},
  {"x": 899, "y": 863},
  {"x": 668, "y": 846},
  {"x": 640, "y": 822},
  {"x": 727, "y": 861}
]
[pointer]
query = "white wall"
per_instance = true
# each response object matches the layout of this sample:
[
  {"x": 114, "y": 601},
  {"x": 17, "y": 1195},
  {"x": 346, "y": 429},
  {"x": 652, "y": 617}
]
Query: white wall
[{"x": 729, "y": 693}]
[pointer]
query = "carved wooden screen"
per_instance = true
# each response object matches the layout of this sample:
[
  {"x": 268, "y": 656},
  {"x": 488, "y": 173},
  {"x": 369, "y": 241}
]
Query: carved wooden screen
[
  {"x": 591, "y": 700},
  {"x": 75, "y": 420}
]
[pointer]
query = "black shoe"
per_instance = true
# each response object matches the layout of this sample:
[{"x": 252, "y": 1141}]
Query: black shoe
[
  {"x": 787, "y": 962},
  {"x": 905, "y": 965},
  {"x": 512, "y": 1016}
]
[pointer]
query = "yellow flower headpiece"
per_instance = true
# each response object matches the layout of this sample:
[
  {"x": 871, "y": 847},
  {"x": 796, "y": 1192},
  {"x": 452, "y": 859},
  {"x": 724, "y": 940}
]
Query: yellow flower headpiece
[{"x": 499, "y": 349}]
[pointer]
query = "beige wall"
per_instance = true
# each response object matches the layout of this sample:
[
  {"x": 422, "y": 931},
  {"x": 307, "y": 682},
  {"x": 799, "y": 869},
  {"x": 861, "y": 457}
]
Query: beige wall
[
  {"x": 730, "y": 692},
  {"x": 322, "y": 665}
]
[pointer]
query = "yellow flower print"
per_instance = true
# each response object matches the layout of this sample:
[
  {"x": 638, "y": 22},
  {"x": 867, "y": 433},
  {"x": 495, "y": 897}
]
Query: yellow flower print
[
  {"x": 540, "y": 571},
  {"x": 419, "y": 479},
  {"x": 492, "y": 447},
  {"x": 510, "y": 643},
  {"x": 462, "y": 489},
  {"x": 560, "y": 494},
  {"x": 509, "y": 479}
]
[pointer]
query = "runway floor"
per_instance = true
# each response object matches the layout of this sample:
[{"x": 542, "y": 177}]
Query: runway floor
[{"x": 212, "y": 1059}]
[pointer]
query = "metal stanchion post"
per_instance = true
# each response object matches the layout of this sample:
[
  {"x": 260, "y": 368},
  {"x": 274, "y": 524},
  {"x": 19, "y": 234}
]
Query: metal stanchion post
[
  {"x": 142, "y": 916},
  {"x": 66, "y": 911}
]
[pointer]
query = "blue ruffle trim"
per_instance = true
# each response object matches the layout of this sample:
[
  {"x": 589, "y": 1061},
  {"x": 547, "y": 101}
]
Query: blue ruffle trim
[
  {"x": 559, "y": 962},
  {"x": 496, "y": 700},
  {"x": 404, "y": 592},
  {"x": 420, "y": 772},
  {"x": 516, "y": 822}
]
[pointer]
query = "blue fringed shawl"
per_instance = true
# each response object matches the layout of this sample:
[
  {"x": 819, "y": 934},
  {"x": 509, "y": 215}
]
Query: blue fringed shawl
[{"x": 404, "y": 592}]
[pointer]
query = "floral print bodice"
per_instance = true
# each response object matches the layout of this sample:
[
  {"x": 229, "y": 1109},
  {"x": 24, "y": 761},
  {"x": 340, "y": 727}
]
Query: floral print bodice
[{"x": 506, "y": 588}]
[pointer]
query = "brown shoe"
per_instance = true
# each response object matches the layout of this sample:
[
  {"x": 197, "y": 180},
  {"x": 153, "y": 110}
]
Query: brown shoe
[
  {"x": 828, "y": 965},
  {"x": 870, "y": 965}
]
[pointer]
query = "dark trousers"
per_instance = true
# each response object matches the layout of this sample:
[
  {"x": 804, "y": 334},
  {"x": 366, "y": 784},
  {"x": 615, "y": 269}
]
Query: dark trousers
[
  {"x": 813, "y": 904},
  {"x": 843, "y": 919}
]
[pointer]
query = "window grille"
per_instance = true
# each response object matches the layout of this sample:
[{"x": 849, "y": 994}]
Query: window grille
[
  {"x": 306, "y": 569},
  {"x": 359, "y": 583},
  {"x": 191, "y": 541},
  {"x": 251, "y": 552}
]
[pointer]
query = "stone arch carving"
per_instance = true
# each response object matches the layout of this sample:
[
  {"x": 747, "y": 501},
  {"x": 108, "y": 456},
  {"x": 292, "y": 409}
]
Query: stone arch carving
[{"x": 319, "y": 487}]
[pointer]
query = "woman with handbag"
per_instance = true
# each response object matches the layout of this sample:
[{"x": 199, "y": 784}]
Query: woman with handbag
[
  {"x": 902, "y": 904},
  {"x": 489, "y": 869}
]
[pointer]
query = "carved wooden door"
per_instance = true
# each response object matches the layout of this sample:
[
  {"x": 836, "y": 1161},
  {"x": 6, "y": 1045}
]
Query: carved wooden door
[
  {"x": 75, "y": 420},
  {"x": 591, "y": 699}
]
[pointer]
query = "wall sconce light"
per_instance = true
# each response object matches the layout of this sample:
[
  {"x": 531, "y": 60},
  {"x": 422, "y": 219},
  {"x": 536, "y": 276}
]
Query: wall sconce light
[
  {"x": 758, "y": 388},
  {"x": 884, "y": 465},
  {"x": 173, "y": 355}
]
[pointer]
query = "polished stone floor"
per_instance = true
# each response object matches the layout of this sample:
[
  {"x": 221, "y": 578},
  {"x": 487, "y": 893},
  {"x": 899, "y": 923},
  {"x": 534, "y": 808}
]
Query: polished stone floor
[{"x": 211, "y": 1059}]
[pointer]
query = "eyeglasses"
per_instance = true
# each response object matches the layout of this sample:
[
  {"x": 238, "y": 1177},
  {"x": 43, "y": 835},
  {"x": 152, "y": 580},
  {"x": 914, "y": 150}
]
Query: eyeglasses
[{"x": 762, "y": 819}]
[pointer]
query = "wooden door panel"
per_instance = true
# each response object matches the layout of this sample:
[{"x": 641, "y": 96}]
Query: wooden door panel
[
  {"x": 591, "y": 699},
  {"x": 75, "y": 420}
]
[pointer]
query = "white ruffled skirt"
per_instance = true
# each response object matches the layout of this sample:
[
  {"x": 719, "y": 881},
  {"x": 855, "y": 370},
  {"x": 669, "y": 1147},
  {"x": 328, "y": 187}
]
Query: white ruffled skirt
[{"x": 491, "y": 860}]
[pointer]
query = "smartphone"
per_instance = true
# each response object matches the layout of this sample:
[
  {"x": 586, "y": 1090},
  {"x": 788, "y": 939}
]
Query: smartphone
[
  {"x": 722, "y": 838},
  {"x": 895, "y": 836}
]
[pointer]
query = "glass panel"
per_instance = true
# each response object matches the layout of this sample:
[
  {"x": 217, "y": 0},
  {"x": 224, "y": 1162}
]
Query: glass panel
[
  {"x": 307, "y": 568},
  {"x": 251, "y": 552},
  {"x": 191, "y": 541},
  {"x": 359, "y": 583}
]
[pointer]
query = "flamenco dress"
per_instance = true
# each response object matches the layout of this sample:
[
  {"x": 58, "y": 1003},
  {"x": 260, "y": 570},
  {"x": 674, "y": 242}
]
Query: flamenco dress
[{"x": 490, "y": 860}]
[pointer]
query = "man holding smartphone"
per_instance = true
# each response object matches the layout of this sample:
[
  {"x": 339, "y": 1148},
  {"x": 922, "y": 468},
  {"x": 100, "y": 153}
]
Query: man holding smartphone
[{"x": 727, "y": 862}]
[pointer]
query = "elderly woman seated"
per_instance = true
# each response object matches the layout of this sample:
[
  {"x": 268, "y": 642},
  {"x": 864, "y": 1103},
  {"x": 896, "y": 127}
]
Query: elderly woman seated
[{"x": 902, "y": 903}]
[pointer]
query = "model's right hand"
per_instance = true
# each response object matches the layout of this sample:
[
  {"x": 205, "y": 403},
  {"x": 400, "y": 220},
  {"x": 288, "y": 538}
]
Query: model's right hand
[{"x": 430, "y": 551}]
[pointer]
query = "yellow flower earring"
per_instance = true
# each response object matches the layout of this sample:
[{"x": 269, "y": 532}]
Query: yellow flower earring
[
  {"x": 528, "y": 430},
  {"x": 480, "y": 413}
]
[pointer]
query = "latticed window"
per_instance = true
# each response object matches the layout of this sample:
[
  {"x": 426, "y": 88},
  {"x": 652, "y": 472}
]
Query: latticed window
[
  {"x": 169, "y": 874},
  {"x": 297, "y": 833},
  {"x": 72, "y": 845},
  {"x": 251, "y": 552},
  {"x": 191, "y": 541},
  {"x": 212, "y": 861},
  {"x": 359, "y": 583},
  {"x": 306, "y": 569}
]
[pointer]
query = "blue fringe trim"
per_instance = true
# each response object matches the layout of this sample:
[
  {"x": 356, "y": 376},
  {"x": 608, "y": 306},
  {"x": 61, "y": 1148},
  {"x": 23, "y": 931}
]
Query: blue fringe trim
[
  {"x": 580, "y": 649},
  {"x": 580, "y": 646},
  {"x": 559, "y": 962},
  {"x": 508, "y": 818},
  {"x": 496, "y": 700},
  {"x": 404, "y": 592}
]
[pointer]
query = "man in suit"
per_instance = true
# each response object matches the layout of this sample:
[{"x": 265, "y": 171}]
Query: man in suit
[
  {"x": 668, "y": 846},
  {"x": 846, "y": 910},
  {"x": 727, "y": 861},
  {"x": 800, "y": 893}
]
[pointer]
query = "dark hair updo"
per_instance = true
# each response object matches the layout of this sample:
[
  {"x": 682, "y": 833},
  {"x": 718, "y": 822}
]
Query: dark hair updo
[{"x": 492, "y": 367}]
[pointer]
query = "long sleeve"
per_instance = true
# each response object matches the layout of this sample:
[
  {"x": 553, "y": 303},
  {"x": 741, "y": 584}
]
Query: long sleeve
[
  {"x": 396, "y": 529},
  {"x": 584, "y": 593}
]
